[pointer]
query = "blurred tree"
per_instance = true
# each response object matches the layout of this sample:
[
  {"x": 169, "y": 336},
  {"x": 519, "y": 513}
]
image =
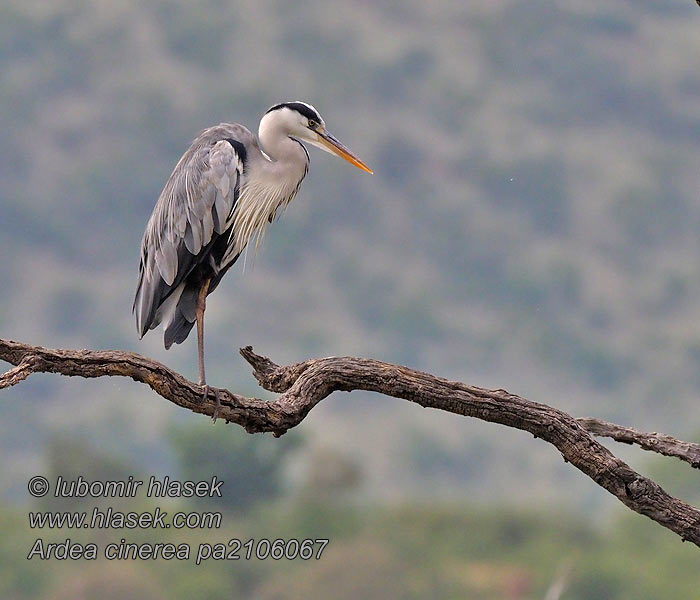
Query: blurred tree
[
  {"x": 252, "y": 467},
  {"x": 437, "y": 462},
  {"x": 19, "y": 578},
  {"x": 329, "y": 474},
  {"x": 70, "y": 458},
  {"x": 363, "y": 569},
  {"x": 107, "y": 581}
]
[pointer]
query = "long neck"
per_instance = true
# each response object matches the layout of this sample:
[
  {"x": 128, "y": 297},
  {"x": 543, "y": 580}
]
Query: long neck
[
  {"x": 273, "y": 181},
  {"x": 282, "y": 149}
]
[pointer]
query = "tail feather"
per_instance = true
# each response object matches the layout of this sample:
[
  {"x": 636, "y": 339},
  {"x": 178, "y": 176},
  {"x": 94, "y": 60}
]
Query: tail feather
[
  {"x": 144, "y": 307},
  {"x": 166, "y": 310},
  {"x": 182, "y": 315},
  {"x": 177, "y": 331}
]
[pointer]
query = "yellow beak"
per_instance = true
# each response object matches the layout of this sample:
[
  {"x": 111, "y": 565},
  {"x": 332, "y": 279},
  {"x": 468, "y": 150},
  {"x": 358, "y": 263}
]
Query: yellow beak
[{"x": 339, "y": 149}]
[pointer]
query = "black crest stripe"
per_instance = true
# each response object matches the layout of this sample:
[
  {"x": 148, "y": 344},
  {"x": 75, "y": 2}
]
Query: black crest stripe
[{"x": 301, "y": 108}]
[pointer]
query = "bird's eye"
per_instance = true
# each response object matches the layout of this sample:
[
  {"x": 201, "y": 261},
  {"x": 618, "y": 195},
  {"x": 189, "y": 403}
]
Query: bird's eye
[{"x": 312, "y": 124}]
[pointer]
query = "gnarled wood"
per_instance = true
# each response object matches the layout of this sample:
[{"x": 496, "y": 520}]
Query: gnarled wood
[{"x": 303, "y": 385}]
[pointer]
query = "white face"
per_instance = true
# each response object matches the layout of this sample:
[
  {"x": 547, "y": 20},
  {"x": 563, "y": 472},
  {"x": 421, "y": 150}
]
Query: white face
[
  {"x": 294, "y": 124},
  {"x": 304, "y": 128},
  {"x": 302, "y": 125},
  {"x": 286, "y": 121}
]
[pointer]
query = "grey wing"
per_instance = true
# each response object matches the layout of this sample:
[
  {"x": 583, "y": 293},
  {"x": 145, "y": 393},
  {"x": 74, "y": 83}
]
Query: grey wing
[{"x": 193, "y": 210}]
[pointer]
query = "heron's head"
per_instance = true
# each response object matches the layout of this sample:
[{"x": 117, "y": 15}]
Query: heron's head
[{"x": 303, "y": 122}]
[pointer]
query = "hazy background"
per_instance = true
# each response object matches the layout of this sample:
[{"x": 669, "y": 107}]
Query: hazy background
[{"x": 532, "y": 224}]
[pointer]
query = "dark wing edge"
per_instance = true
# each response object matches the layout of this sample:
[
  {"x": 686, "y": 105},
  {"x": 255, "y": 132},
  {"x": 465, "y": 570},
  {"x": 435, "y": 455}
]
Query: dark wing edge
[{"x": 194, "y": 209}]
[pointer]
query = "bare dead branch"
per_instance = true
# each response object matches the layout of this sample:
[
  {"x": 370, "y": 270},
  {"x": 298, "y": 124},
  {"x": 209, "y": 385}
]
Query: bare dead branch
[
  {"x": 654, "y": 442},
  {"x": 303, "y": 385},
  {"x": 19, "y": 373}
]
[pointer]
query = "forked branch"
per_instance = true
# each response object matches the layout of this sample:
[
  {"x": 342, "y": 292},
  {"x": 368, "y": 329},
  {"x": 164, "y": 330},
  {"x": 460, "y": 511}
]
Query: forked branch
[{"x": 303, "y": 385}]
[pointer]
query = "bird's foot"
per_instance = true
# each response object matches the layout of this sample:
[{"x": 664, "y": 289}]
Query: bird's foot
[{"x": 215, "y": 415}]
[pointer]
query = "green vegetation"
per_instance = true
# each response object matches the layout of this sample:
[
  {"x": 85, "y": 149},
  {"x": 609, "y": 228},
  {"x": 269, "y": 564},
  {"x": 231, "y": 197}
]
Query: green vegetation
[
  {"x": 252, "y": 466},
  {"x": 441, "y": 552}
]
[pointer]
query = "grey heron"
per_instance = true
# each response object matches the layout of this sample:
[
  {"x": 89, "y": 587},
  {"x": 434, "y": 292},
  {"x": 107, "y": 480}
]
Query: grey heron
[{"x": 223, "y": 192}]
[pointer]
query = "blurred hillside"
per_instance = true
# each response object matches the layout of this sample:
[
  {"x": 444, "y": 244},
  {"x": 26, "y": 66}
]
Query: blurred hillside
[
  {"x": 532, "y": 223},
  {"x": 406, "y": 553}
]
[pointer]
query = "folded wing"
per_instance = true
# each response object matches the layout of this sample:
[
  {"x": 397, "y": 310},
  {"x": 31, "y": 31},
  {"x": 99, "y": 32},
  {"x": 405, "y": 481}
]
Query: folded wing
[{"x": 188, "y": 232}]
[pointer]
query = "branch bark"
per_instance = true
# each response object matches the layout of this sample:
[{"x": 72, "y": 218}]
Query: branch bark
[
  {"x": 303, "y": 385},
  {"x": 654, "y": 442}
]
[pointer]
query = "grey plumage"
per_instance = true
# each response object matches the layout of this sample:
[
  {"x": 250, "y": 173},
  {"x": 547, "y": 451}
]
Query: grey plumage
[
  {"x": 223, "y": 192},
  {"x": 193, "y": 211}
]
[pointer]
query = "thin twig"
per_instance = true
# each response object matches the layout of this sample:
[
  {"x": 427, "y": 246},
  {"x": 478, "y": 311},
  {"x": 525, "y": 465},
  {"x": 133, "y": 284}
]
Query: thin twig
[
  {"x": 654, "y": 442},
  {"x": 19, "y": 373}
]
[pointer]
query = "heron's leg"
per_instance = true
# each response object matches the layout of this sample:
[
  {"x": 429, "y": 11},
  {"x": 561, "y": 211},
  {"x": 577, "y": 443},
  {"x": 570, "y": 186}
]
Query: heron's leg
[{"x": 199, "y": 315}]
